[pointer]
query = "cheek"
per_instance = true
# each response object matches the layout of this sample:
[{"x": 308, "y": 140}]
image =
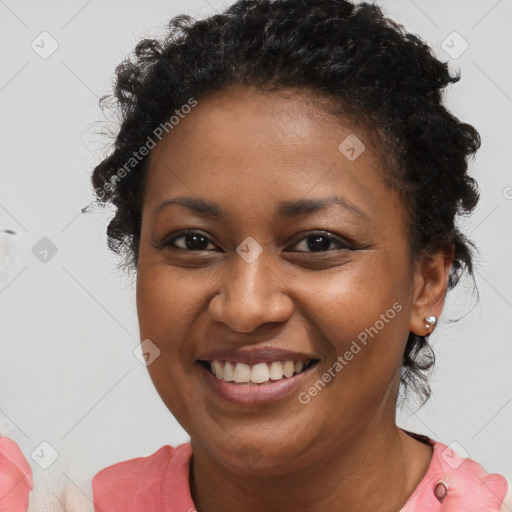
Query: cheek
[
  {"x": 363, "y": 316},
  {"x": 170, "y": 307},
  {"x": 363, "y": 323},
  {"x": 351, "y": 300},
  {"x": 162, "y": 308},
  {"x": 167, "y": 305},
  {"x": 166, "y": 299}
]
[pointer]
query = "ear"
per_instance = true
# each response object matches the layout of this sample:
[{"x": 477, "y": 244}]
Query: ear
[{"x": 430, "y": 281}]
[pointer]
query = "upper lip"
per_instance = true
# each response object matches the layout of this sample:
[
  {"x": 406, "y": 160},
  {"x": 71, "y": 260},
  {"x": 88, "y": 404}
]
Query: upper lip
[{"x": 256, "y": 355}]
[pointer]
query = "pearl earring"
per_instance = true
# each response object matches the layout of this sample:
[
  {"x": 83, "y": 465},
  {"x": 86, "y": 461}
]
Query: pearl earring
[{"x": 430, "y": 321}]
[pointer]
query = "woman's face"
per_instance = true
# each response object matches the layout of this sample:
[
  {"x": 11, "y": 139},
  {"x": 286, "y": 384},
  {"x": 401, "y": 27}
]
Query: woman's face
[{"x": 257, "y": 283}]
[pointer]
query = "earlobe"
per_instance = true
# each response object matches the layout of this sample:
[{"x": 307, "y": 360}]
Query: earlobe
[
  {"x": 431, "y": 281},
  {"x": 430, "y": 321},
  {"x": 427, "y": 323}
]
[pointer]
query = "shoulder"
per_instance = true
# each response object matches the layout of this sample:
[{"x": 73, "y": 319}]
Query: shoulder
[
  {"x": 458, "y": 483},
  {"x": 15, "y": 476},
  {"x": 471, "y": 478},
  {"x": 125, "y": 482}
]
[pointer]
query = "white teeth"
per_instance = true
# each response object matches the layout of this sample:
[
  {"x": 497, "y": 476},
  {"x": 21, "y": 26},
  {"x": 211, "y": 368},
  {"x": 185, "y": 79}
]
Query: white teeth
[
  {"x": 288, "y": 368},
  {"x": 276, "y": 370},
  {"x": 228, "y": 372},
  {"x": 241, "y": 373},
  {"x": 217, "y": 368},
  {"x": 258, "y": 373}
]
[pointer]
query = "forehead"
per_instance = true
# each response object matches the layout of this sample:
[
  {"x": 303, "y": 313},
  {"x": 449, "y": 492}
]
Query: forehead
[
  {"x": 245, "y": 116},
  {"x": 242, "y": 145}
]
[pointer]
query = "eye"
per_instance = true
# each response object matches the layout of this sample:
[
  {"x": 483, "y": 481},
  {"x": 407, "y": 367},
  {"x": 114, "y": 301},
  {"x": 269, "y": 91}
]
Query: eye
[
  {"x": 321, "y": 241},
  {"x": 192, "y": 241},
  {"x": 196, "y": 241}
]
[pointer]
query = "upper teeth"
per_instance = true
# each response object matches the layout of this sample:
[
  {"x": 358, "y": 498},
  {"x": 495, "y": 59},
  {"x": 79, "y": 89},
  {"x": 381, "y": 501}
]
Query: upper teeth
[{"x": 257, "y": 373}]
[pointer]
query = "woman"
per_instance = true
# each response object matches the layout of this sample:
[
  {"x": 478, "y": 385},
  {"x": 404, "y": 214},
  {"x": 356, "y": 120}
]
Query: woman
[{"x": 287, "y": 186}]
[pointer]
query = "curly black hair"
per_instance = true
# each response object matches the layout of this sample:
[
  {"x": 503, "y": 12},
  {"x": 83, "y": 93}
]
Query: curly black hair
[{"x": 375, "y": 73}]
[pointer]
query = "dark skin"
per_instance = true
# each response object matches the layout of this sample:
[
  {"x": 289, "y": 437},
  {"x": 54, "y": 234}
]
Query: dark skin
[{"x": 248, "y": 151}]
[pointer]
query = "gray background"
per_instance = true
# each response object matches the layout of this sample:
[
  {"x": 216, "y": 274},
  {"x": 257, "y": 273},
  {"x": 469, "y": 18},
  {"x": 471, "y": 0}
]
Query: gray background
[{"x": 68, "y": 375}]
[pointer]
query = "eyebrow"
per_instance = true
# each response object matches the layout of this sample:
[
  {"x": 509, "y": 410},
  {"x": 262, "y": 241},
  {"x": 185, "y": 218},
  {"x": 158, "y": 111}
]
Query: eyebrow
[{"x": 288, "y": 209}]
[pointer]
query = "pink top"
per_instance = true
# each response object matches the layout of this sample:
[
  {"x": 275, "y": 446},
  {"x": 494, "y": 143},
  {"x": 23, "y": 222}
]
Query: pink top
[
  {"x": 15, "y": 477},
  {"x": 160, "y": 483}
]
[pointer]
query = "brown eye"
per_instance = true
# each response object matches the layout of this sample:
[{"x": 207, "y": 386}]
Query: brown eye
[
  {"x": 321, "y": 242},
  {"x": 196, "y": 241},
  {"x": 190, "y": 241}
]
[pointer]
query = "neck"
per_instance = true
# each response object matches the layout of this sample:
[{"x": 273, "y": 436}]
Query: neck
[{"x": 377, "y": 469}]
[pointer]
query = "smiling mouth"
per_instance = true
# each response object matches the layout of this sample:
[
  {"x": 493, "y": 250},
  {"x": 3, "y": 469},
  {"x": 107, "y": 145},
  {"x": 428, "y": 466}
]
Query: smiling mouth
[{"x": 260, "y": 373}]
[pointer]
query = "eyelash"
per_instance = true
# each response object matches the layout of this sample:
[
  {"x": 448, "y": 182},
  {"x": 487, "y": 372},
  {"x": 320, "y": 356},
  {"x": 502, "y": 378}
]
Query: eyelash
[{"x": 168, "y": 242}]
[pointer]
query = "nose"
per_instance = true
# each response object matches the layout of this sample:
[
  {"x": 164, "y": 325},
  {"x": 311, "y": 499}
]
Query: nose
[{"x": 251, "y": 294}]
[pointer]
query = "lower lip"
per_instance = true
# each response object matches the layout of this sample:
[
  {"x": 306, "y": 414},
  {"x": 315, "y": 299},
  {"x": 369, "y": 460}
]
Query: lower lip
[{"x": 253, "y": 394}]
